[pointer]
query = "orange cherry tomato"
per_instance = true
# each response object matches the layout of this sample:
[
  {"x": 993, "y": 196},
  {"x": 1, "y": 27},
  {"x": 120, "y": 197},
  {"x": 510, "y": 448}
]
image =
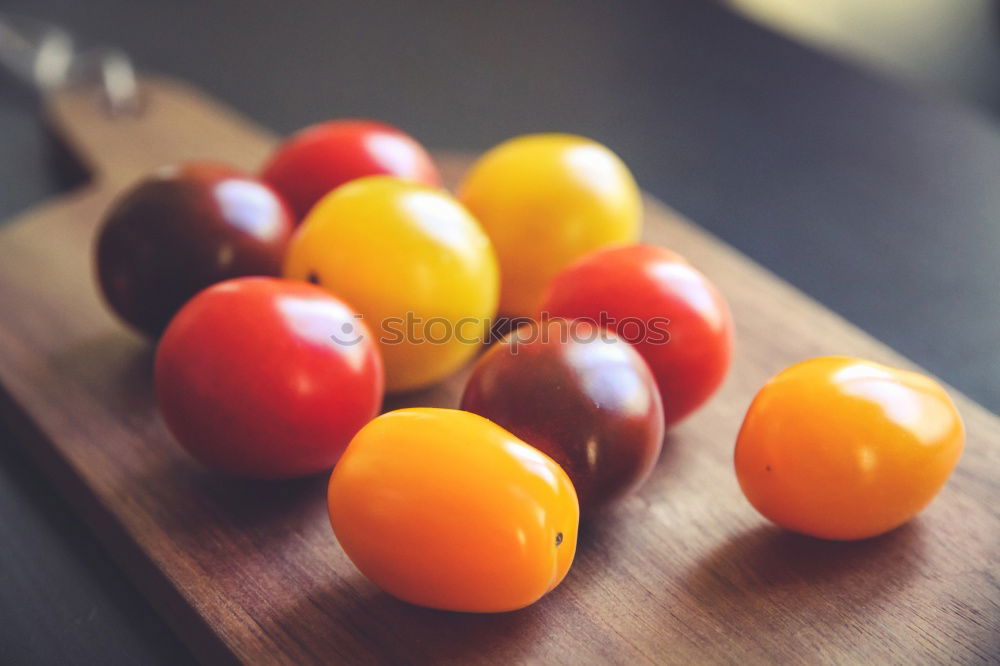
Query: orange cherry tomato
[
  {"x": 445, "y": 509},
  {"x": 843, "y": 448}
]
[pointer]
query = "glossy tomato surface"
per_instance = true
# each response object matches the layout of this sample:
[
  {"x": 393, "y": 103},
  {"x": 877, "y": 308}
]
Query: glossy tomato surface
[
  {"x": 581, "y": 395},
  {"x": 322, "y": 157},
  {"x": 442, "y": 508},
  {"x": 843, "y": 448},
  {"x": 546, "y": 200},
  {"x": 676, "y": 318},
  {"x": 267, "y": 378},
  {"x": 412, "y": 261},
  {"x": 181, "y": 230}
]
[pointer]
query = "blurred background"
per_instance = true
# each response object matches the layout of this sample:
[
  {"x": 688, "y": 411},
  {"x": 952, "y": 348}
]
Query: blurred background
[
  {"x": 851, "y": 146},
  {"x": 951, "y": 47}
]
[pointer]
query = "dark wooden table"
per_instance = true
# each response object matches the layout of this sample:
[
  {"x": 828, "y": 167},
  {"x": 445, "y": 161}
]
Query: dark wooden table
[{"x": 881, "y": 202}]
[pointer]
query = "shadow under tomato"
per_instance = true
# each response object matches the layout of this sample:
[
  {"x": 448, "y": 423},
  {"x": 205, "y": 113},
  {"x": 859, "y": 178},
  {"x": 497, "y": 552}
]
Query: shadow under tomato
[
  {"x": 115, "y": 368},
  {"x": 445, "y": 395},
  {"x": 251, "y": 502},
  {"x": 670, "y": 455},
  {"x": 248, "y": 503},
  {"x": 202, "y": 509},
  {"x": 768, "y": 556},
  {"x": 504, "y": 325},
  {"x": 353, "y": 621},
  {"x": 770, "y": 572},
  {"x": 618, "y": 513}
]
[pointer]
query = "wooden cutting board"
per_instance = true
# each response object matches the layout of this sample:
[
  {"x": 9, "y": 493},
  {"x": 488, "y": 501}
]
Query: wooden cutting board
[{"x": 684, "y": 571}]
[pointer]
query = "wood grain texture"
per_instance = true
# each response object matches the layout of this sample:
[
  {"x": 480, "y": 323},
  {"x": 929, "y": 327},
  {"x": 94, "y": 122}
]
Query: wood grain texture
[{"x": 683, "y": 571}]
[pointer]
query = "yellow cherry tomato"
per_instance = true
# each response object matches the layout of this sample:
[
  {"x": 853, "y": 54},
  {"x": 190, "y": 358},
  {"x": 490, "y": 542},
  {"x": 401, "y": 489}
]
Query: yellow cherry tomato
[
  {"x": 413, "y": 262},
  {"x": 842, "y": 448},
  {"x": 445, "y": 509},
  {"x": 546, "y": 200}
]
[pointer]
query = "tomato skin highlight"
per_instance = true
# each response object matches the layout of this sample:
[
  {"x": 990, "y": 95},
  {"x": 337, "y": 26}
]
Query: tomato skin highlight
[
  {"x": 579, "y": 394},
  {"x": 250, "y": 382},
  {"x": 182, "y": 229},
  {"x": 445, "y": 509},
  {"x": 638, "y": 287},
  {"x": 413, "y": 262},
  {"x": 322, "y": 157},
  {"x": 843, "y": 448},
  {"x": 545, "y": 200}
]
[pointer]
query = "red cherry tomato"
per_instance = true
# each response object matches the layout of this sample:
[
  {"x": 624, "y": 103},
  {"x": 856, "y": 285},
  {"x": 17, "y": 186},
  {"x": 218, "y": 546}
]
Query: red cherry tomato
[
  {"x": 323, "y": 157},
  {"x": 677, "y": 320},
  {"x": 267, "y": 378}
]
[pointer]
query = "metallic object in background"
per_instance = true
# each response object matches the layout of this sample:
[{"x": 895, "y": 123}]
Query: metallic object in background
[{"x": 44, "y": 57}]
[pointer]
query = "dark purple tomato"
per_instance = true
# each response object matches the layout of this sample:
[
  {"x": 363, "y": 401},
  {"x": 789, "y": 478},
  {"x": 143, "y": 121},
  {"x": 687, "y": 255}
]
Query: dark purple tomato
[
  {"x": 581, "y": 395},
  {"x": 183, "y": 229}
]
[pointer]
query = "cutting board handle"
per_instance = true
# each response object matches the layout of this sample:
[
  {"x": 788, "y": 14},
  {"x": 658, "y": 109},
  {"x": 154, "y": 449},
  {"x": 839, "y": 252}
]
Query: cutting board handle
[{"x": 174, "y": 123}]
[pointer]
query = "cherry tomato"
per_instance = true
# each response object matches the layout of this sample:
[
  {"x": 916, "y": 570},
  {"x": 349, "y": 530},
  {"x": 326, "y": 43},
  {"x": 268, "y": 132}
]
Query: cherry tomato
[
  {"x": 413, "y": 261},
  {"x": 181, "y": 230},
  {"x": 677, "y": 320},
  {"x": 579, "y": 394},
  {"x": 843, "y": 448},
  {"x": 545, "y": 200},
  {"x": 267, "y": 378},
  {"x": 323, "y": 157},
  {"x": 442, "y": 508}
]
